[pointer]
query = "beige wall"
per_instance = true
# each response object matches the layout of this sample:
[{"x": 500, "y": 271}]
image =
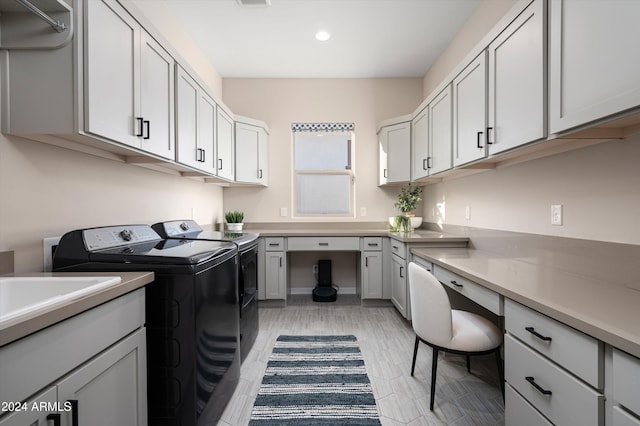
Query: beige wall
[
  {"x": 46, "y": 191},
  {"x": 279, "y": 102},
  {"x": 597, "y": 186},
  {"x": 487, "y": 14}
]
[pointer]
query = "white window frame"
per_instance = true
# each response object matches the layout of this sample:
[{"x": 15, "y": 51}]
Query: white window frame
[{"x": 350, "y": 171}]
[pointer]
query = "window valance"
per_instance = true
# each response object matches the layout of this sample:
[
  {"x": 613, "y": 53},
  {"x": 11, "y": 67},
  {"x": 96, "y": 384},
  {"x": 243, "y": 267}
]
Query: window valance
[{"x": 321, "y": 127}]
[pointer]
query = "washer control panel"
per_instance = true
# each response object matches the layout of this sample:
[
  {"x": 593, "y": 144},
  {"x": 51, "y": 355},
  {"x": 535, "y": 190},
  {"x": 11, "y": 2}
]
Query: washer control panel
[
  {"x": 114, "y": 236},
  {"x": 180, "y": 227}
]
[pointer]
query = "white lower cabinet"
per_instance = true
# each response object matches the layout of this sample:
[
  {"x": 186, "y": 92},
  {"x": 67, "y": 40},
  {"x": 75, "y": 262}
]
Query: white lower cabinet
[
  {"x": 399, "y": 284},
  {"x": 91, "y": 367},
  {"x": 371, "y": 267},
  {"x": 275, "y": 268}
]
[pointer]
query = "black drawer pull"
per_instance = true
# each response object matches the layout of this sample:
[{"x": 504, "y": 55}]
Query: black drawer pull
[
  {"x": 538, "y": 335},
  {"x": 454, "y": 282},
  {"x": 372, "y": 244},
  {"x": 537, "y": 386},
  {"x": 323, "y": 244},
  {"x": 274, "y": 244}
]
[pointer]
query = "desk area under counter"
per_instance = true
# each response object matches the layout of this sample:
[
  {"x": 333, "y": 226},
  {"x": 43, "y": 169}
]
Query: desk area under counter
[
  {"x": 572, "y": 340},
  {"x": 368, "y": 261}
]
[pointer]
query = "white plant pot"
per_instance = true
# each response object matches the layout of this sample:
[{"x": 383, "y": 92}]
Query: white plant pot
[
  {"x": 236, "y": 227},
  {"x": 416, "y": 221}
]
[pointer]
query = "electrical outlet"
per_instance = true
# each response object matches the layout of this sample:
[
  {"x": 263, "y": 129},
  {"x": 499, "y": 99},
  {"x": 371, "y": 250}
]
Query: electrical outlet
[
  {"x": 315, "y": 269},
  {"x": 363, "y": 211},
  {"x": 49, "y": 245},
  {"x": 283, "y": 212},
  {"x": 556, "y": 214}
]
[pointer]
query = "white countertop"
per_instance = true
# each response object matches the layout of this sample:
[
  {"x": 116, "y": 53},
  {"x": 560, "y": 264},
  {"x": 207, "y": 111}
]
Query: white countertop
[{"x": 608, "y": 311}]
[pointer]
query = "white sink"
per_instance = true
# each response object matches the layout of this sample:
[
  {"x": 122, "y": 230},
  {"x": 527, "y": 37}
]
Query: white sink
[{"x": 22, "y": 296}]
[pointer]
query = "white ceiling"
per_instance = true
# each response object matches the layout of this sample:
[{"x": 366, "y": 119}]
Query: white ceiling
[{"x": 369, "y": 38}]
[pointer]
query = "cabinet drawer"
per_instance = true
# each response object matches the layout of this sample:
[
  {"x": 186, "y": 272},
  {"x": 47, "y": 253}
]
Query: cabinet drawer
[
  {"x": 323, "y": 243},
  {"x": 479, "y": 294},
  {"x": 622, "y": 418},
  {"x": 398, "y": 248},
  {"x": 626, "y": 380},
  {"x": 274, "y": 244},
  {"x": 572, "y": 349},
  {"x": 423, "y": 263},
  {"x": 518, "y": 412},
  {"x": 569, "y": 401},
  {"x": 372, "y": 244}
]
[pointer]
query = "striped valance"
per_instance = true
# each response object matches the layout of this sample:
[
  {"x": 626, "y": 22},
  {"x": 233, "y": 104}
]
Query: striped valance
[{"x": 322, "y": 127}]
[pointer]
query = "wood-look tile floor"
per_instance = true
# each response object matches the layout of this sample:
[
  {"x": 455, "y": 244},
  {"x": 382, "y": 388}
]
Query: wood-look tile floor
[{"x": 386, "y": 341}]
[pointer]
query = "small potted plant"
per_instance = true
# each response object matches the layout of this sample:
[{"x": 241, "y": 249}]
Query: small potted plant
[
  {"x": 234, "y": 220},
  {"x": 408, "y": 200}
]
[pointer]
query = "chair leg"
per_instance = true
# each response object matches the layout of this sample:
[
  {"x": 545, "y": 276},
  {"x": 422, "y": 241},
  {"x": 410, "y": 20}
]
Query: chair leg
[
  {"x": 434, "y": 367},
  {"x": 415, "y": 355},
  {"x": 500, "y": 371},
  {"x": 468, "y": 364}
]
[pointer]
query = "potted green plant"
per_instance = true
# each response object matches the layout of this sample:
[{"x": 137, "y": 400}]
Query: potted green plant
[
  {"x": 234, "y": 220},
  {"x": 408, "y": 200}
]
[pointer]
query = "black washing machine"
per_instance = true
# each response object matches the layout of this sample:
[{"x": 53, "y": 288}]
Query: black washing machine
[
  {"x": 192, "y": 320},
  {"x": 247, "y": 272}
]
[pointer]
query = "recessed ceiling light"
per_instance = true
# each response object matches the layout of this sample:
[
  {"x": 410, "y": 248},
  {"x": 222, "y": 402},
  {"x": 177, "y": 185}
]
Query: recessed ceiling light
[{"x": 323, "y": 36}]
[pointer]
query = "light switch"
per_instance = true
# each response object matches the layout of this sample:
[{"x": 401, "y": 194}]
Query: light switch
[
  {"x": 556, "y": 214},
  {"x": 363, "y": 211},
  {"x": 467, "y": 212},
  {"x": 283, "y": 211}
]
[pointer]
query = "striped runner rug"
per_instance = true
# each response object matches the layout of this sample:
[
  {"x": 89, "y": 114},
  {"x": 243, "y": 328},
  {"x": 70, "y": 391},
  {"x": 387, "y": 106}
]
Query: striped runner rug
[{"x": 315, "y": 380}]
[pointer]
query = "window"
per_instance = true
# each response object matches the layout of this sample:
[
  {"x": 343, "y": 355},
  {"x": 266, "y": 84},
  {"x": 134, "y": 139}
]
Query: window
[{"x": 323, "y": 169}]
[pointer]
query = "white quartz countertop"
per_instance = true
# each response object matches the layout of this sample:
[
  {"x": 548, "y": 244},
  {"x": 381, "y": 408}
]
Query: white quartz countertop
[
  {"x": 608, "y": 311},
  {"x": 21, "y": 327},
  {"x": 416, "y": 236}
]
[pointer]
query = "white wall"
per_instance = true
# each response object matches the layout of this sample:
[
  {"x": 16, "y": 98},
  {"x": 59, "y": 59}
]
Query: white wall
[{"x": 280, "y": 102}]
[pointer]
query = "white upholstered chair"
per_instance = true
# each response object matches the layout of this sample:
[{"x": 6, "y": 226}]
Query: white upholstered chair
[{"x": 446, "y": 329}]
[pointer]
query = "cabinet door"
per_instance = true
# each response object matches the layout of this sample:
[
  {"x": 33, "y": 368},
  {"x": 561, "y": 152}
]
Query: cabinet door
[
  {"x": 112, "y": 72},
  {"x": 593, "y": 61},
  {"x": 187, "y": 119},
  {"x": 420, "y": 153},
  {"x": 399, "y": 152},
  {"x": 399, "y": 284},
  {"x": 263, "y": 157},
  {"x": 206, "y": 145},
  {"x": 30, "y": 417},
  {"x": 275, "y": 285},
  {"x": 469, "y": 112},
  {"x": 440, "y": 126},
  {"x": 225, "y": 163},
  {"x": 157, "y": 98},
  {"x": 112, "y": 388},
  {"x": 247, "y": 153},
  {"x": 516, "y": 82},
  {"x": 372, "y": 275}
]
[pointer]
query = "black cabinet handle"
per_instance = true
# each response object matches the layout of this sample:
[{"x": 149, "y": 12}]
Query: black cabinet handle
[
  {"x": 323, "y": 244},
  {"x": 140, "y": 125},
  {"x": 401, "y": 268},
  {"x": 147, "y": 126},
  {"x": 429, "y": 162},
  {"x": 537, "y": 386},
  {"x": 454, "y": 282},
  {"x": 219, "y": 163},
  {"x": 55, "y": 417},
  {"x": 372, "y": 244},
  {"x": 366, "y": 262},
  {"x": 425, "y": 165},
  {"x": 259, "y": 173},
  {"x": 74, "y": 412},
  {"x": 489, "y": 129},
  {"x": 538, "y": 335},
  {"x": 281, "y": 262},
  {"x": 479, "y": 136},
  {"x": 274, "y": 244},
  {"x": 384, "y": 173},
  {"x": 204, "y": 155}
]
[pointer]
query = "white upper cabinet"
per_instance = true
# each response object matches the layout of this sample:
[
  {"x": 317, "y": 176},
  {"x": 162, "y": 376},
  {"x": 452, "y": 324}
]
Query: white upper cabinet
[
  {"x": 195, "y": 121},
  {"x": 128, "y": 81},
  {"x": 420, "y": 153},
  {"x": 469, "y": 112},
  {"x": 516, "y": 82},
  {"x": 594, "y": 66},
  {"x": 440, "y": 132},
  {"x": 395, "y": 153},
  {"x": 251, "y": 153},
  {"x": 225, "y": 139}
]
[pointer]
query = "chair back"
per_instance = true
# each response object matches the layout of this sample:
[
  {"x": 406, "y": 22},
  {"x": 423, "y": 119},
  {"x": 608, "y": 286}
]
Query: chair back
[{"x": 430, "y": 307}]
